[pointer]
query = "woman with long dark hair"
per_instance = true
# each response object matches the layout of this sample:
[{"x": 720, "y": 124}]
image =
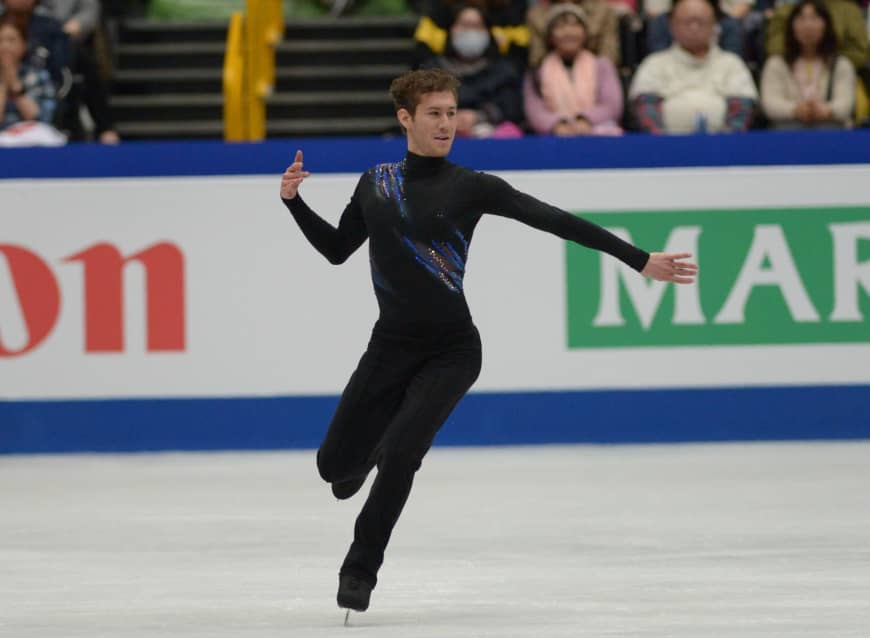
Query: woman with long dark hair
[{"x": 812, "y": 85}]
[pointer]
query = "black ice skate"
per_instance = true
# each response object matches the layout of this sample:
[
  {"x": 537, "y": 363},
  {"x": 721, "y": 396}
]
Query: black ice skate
[
  {"x": 345, "y": 489},
  {"x": 353, "y": 594}
]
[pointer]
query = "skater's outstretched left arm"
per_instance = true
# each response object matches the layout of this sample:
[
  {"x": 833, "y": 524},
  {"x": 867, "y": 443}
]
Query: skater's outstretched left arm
[
  {"x": 500, "y": 198},
  {"x": 336, "y": 244}
]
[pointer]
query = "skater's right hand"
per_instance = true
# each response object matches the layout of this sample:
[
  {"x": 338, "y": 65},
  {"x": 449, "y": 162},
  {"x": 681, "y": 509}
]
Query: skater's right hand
[
  {"x": 670, "y": 267},
  {"x": 292, "y": 177}
]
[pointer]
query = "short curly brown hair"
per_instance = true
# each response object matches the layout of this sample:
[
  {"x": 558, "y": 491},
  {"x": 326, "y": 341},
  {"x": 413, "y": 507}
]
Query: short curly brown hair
[{"x": 407, "y": 89}]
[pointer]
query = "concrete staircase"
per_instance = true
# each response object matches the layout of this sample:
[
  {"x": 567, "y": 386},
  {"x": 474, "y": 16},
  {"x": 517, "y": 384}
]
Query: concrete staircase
[{"x": 332, "y": 78}]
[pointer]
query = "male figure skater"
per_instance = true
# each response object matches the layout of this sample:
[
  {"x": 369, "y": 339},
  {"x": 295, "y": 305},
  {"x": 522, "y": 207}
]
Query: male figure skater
[{"x": 419, "y": 215}]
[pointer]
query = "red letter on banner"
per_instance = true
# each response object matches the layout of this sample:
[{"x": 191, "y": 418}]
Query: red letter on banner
[
  {"x": 38, "y": 295},
  {"x": 104, "y": 315}
]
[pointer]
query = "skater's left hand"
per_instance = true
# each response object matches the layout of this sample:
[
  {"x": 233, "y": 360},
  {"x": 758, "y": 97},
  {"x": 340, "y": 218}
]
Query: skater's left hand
[
  {"x": 292, "y": 177},
  {"x": 671, "y": 267}
]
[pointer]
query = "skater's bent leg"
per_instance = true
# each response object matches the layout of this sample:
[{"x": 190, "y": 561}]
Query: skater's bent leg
[
  {"x": 431, "y": 397},
  {"x": 367, "y": 405}
]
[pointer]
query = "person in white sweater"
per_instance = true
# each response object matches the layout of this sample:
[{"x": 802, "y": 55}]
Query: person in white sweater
[
  {"x": 693, "y": 86},
  {"x": 811, "y": 86}
]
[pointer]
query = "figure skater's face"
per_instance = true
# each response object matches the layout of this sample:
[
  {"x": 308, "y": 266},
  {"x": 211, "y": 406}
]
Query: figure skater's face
[{"x": 432, "y": 127}]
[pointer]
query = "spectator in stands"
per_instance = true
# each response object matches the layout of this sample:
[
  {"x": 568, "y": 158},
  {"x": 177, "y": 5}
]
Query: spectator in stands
[
  {"x": 573, "y": 92},
  {"x": 694, "y": 85},
  {"x": 48, "y": 45},
  {"x": 80, "y": 19},
  {"x": 490, "y": 102},
  {"x": 811, "y": 86},
  {"x": 602, "y": 30},
  {"x": 26, "y": 93},
  {"x": 506, "y": 18},
  {"x": 849, "y": 28},
  {"x": 623, "y": 7},
  {"x": 658, "y": 32}
]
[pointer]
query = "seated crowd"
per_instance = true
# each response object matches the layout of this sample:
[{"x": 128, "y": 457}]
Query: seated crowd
[
  {"x": 49, "y": 72},
  {"x": 555, "y": 67},
  {"x": 599, "y": 67}
]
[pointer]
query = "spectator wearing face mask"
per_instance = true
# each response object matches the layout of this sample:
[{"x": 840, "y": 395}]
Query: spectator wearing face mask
[
  {"x": 490, "y": 102},
  {"x": 506, "y": 20}
]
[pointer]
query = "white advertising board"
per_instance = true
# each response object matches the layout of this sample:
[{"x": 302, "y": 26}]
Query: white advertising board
[{"x": 244, "y": 306}]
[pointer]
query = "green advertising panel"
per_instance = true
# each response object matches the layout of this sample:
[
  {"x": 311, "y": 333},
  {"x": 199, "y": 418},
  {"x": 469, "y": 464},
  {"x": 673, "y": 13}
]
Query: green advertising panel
[{"x": 767, "y": 276}]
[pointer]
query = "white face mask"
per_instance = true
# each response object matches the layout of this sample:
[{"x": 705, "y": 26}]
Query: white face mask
[{"x": 470, "y": 44}]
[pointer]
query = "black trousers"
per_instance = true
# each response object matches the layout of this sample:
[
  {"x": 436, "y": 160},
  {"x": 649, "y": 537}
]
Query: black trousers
[
  {"x": 393, "y": 406},
  {"x": 93, "y": 91}
]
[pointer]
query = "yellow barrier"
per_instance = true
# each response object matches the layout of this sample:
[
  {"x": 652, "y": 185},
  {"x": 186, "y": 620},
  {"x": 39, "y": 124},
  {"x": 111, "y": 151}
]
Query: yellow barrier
[
  {"x": 251, "y": 43},
  {"x": 862, "y": 103},
  {"x": 233, "y": 82},
  {"x": 433, "y": 36}
]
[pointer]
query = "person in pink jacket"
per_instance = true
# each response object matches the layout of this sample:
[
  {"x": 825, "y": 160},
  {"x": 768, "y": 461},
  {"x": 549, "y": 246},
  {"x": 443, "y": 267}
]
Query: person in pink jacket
[{"x": 573, "y": 92}]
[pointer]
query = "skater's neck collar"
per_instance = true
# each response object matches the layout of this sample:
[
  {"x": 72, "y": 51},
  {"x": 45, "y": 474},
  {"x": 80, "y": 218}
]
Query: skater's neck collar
[{"x": 421, "y": 165}]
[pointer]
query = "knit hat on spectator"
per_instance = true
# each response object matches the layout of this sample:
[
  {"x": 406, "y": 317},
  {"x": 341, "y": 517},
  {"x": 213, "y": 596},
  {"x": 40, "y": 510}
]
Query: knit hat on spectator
[{"x": 562, "y": 8}]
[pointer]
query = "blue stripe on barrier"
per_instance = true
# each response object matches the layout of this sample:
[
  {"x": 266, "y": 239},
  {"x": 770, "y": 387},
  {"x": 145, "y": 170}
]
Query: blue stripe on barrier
[
  {"x": 354, "y": 155},
  {"x": 611, "y": 416}
]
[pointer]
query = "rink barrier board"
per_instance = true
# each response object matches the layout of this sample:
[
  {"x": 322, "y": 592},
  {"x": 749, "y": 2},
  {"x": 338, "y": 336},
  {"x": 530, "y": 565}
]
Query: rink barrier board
[
  {"x": 354, "y": 155},
  {"x": 481, "y": 419},
  {"x": 610, "y": 416}
]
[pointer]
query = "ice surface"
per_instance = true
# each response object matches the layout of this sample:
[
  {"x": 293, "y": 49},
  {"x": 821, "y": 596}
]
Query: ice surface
[{"x": 699, "y": 541}]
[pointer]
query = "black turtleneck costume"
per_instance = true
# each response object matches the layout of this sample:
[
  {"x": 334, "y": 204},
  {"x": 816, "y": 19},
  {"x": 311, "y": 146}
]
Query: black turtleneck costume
[{"x": 419, "y": 215}]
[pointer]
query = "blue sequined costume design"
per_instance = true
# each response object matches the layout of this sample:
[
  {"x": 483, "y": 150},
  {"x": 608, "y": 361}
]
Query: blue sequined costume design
[
  {"x": 441, "y": 260},
  {"x": 390, "y": 181}
]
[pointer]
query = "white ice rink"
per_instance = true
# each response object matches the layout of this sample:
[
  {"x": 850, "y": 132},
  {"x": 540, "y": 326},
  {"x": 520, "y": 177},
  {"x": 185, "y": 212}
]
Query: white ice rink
[{"x": 686, "y": 541}]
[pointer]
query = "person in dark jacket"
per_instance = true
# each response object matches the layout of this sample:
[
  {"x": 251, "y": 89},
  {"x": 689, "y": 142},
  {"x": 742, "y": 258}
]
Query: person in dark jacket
[
  {"x": 490, "y": 97},
  {"x": 81, "y": 22}
]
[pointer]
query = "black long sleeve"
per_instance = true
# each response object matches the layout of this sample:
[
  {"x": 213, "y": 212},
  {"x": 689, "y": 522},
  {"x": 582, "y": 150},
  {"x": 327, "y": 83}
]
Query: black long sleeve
[
  {"x": 502, "y": 199},
  {"x": 420, "y": 215},
  {"x": 336, "y": 244}
]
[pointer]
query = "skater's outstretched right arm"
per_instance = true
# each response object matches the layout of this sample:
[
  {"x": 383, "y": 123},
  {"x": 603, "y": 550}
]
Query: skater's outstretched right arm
[{"x": 336, "y": 244}]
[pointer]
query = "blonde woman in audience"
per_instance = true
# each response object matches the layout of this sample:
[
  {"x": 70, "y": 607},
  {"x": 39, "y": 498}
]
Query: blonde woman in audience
[
  {"x": 573, "y": 92},
  {"x": 811, "y": 86}
]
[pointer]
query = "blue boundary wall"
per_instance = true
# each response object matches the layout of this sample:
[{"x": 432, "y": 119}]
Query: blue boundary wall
[
  {"x": 354, "y": 155},
  {"x": 611, "y": 416}
]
